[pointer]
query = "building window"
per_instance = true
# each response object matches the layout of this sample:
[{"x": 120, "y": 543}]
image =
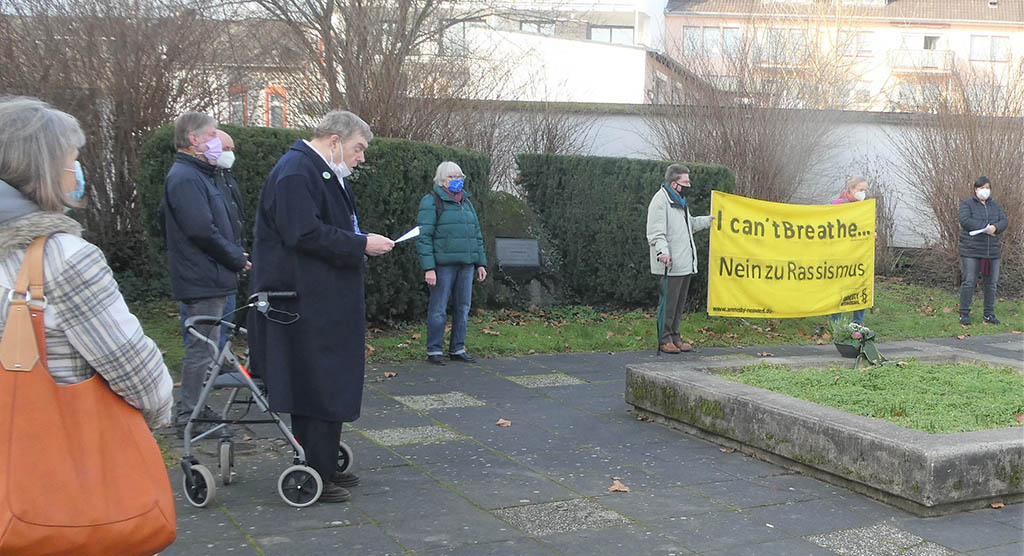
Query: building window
[
  {"x": 545, "y": 28},
  {"x": 238, "y": 105},
  {"x": 784, "y": 46},
  {"x": 277, "y": 107},
  {"x": 856, "y": 44},
  {"x": 987, "y": 48},
  {"x": 614, "y": 34},
  {"x": 454, "y": 41},
  {"x": 711, "y": 42}
]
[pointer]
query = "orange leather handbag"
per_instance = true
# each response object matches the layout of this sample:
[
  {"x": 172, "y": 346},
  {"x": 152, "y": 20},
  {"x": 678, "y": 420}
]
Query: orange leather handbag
[{"x": 80, "y": 472}]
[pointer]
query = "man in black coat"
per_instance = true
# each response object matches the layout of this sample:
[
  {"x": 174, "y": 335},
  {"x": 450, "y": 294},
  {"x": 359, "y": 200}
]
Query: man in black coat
[
  {"x": 202, "y": 255},
  {"x": 307, "y": 240}
]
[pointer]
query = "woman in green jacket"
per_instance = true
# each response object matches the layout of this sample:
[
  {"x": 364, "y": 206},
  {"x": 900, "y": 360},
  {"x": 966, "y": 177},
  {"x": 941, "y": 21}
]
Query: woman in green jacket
[{"x": 451, "y": 251}]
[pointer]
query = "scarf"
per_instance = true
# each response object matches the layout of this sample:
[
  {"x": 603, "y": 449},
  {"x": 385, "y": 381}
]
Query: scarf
[
  {"x": 457, "y": 197},
  {"x": 674, "y": 196}
]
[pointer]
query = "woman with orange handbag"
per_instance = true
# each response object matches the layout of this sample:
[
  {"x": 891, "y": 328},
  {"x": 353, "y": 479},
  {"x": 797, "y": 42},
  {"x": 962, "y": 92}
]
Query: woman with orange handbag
[{"x": 78, "y": 374}]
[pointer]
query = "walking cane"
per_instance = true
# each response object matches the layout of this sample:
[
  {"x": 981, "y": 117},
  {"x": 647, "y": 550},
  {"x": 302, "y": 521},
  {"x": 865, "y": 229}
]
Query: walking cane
[{"x": 661, "y": 310}]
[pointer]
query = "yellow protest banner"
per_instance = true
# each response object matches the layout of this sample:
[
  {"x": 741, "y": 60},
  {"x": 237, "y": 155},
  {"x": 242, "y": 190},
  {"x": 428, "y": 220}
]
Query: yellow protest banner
[{"x": 776, "y": 260}]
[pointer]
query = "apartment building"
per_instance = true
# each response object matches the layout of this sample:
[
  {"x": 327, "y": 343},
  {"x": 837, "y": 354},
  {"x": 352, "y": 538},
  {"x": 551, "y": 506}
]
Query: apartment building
[{"x": 900, "y": 53}]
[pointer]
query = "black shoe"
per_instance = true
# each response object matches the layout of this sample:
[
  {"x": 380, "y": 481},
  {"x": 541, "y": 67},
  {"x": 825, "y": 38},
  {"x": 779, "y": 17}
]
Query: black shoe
[
  {"x": 991, "y": 319},
  {"x": 333, "y": 493},
  {"x": 436, "y": 360},
  {"x": 965, "y": 320},
  {"x": 464, "y": 357},
  {"x": 346, "y": 480}
]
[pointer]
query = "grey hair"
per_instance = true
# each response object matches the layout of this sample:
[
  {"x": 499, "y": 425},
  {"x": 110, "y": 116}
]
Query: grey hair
[
  {"x": 35, "y": 142},
  {"x": 344, "y": 124},
  {"x": 674, "y": 171},
  {"x": 446, "y": 170},
  {"x": 190, "y": 123}
]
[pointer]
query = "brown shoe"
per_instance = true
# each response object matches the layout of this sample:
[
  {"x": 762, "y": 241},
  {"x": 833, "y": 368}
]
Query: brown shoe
[
  {"x": 333, "y": 493},
  {"x": 683, "y": 346},
  {"x": 669, "y": 348}
]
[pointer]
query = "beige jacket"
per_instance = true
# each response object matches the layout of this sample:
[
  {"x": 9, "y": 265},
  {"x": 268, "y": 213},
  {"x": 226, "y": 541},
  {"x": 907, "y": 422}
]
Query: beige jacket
[{"x": 670, "y": 230}]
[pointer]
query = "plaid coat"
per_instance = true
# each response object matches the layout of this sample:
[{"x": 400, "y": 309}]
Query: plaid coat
[{"x": 88, "y": 326}]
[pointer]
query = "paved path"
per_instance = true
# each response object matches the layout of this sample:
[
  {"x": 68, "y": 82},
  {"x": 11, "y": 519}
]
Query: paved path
[{"x": 439, "y": 477}]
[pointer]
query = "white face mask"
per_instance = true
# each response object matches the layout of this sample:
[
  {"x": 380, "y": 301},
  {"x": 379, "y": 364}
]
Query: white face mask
[
  {"x": 984, "y": 194},
  {"x": 341, "y": 170},
  {"x": 226, "y": 160},
  {"x": 860, "y": 195}
]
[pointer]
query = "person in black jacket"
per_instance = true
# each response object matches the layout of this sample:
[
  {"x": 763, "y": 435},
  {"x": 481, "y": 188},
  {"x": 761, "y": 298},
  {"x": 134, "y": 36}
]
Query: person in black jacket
[
  {"x": 202, "y": 255},
  {"x": 981, "y": 222},
  {"x": 308, "y": 239}
]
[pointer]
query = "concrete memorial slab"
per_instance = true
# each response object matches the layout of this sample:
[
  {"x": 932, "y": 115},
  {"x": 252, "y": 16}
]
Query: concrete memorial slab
[{"x": 927, "y": 474}]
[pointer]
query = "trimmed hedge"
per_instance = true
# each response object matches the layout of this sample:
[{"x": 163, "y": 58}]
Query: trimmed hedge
[
  {"x": 595, "y": 209},
  {"x": 389, "y": 185}
]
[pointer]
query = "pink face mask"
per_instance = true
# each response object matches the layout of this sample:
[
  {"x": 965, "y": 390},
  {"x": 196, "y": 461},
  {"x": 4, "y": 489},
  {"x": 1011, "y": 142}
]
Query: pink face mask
[{"x": 214, "y": 148}]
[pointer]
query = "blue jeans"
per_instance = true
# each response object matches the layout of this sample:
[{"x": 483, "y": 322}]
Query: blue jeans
[
  {"x": 228, "y": 309},
  {"x": 858, "y": 316},
  {"x": 971, "y": 267},
  {"x": 455, "y": 282}
]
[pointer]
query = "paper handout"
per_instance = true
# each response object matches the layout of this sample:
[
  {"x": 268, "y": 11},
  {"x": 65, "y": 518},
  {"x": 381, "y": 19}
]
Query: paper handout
[
  {"x": 409, "y": 235},
  {"x": 976, "y": 232}
]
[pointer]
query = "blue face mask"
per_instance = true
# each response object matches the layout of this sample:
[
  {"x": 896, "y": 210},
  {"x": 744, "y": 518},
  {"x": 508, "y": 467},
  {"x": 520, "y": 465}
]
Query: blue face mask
[
  {"x": 455, "y": 184},
  {"x": 79, "y": 191}
]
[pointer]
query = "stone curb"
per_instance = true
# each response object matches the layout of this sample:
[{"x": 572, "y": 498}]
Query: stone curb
[{"x": 925, "y": 474}]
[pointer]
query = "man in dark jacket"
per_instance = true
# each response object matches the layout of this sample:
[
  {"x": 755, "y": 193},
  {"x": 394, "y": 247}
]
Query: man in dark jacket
[
  {"x": 202, "y": 254},
  {"x": 307, "y": 240}
]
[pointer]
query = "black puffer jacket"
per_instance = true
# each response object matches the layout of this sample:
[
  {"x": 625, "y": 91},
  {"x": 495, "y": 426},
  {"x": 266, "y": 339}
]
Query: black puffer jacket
[
  {"x": 974, "y": 216},
  {"x": 202, "y": 254}
]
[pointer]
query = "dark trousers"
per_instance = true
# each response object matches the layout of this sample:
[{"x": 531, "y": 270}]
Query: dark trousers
[
  {"x": 674, "y": 290},
  {"x": 320, "y": 440}
]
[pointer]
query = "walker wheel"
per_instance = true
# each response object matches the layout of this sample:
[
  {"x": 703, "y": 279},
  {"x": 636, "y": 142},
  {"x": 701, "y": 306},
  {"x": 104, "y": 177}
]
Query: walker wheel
[
  {"x": 300, "y": 486},
  {"x": 203, "y": 488},
  {"x": 345, "y": 457},
  {"x": 226, "y": 460}
]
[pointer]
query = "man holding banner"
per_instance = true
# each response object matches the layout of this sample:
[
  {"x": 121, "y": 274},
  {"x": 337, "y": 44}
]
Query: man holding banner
[
  {"x": 670, "y": 230},
  {"x": 776, "y": 260}
]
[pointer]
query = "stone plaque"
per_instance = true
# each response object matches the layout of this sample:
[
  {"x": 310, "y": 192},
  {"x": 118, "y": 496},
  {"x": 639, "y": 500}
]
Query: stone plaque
[{"x": 517, "y": 251}]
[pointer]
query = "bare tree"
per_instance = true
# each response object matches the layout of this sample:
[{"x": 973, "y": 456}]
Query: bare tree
[
  {"x": 767, "y": 106},
  {"x": 974, "y": 128},
  {"x": 123, "y": 67}
]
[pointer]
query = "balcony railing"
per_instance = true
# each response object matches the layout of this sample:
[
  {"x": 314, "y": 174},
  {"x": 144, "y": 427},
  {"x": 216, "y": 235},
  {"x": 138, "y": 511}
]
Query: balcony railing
[{"x": 920, "y": 60}]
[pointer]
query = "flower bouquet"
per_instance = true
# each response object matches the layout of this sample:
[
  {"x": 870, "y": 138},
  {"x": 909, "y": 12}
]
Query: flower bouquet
[{"x": 855, "y": 341}]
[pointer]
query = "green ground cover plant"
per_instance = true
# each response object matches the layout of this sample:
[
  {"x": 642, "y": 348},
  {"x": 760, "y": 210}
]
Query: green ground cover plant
[
  {"x": 933, "y": 398},
  {"x": 901, "y": 312}
]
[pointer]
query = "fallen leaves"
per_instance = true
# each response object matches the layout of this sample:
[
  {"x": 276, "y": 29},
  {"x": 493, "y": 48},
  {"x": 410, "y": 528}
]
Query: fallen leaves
[
  {"x": 962, "y": 336},
  {"x": 996, "y": 505},
  {"x": 617, "y": 486},
  {"x": 369, "y": 349},
  {"x": 567, "y": 348},
  {"x": 947, "y": 310},
  {"x": 1020, "y": 418},
  {"x": 416, "y": 336},
  {"x": 390, "y": 374},
  {"x": 926, "y": 309},
  {"x": 503, "y": 423},
  {"x": 491, "y": 331},
  {"x": 531, "y": 352},
  {"x": 608, "y": 335},
  {"x": 1015, "y": 331},
  {"x": 766, "y": 354}
]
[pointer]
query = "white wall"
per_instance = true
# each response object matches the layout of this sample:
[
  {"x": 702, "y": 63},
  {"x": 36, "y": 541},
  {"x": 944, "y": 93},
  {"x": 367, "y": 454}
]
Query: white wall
[
  {"x": 538, "y": 68},
  {"x": 627, "y": 135}
]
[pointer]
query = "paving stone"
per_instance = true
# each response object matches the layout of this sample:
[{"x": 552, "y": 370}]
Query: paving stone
[
  {"x": 684, "y": 472},
  {"x": 615, "y": 541},
  {"x": 715, "y": 530},
  {"x": 434, "y": 452},
  {"x": 740, "y": 465},
  {"x": 1012, "y": 515},
  {"x": 877, "y": 540},
  {"x": 649, "y": 505},
  {"x": 963, "y": 532},
  {"x": 588, "y": 470},
  {"x": 784, "y": 547},
  {"x": 357, "y": 539},
  {"x": 743, "y": 493},
  {"x": 809, "y": 485},
  {"x": 545, "y": 380},
  {"x": 430, "y": 402},
  {"x": 412, "y": 435},
  {"x": 388, "y": 480},
  {"x": 181, "y": 547},
  {"x": 392, "y": 417},
  {"x": 519, "y": 547},
  {"x": 560, "y": 517},
  {"x": 514, "y": 366},
  {"x": 1015, "y": 549},
  {"x": 496, "y": 482},
  {"x": 811, "y": 516},
  {"x": 433, "y": 517},
  {"x": 271, "y": 519}
]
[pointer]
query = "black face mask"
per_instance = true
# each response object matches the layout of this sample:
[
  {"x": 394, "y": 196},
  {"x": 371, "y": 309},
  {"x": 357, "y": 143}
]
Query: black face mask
[{"x": 685, "y": 191}]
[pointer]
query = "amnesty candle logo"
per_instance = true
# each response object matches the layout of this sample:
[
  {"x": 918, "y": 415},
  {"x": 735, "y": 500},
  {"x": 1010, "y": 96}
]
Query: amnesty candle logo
[{"x": 780, "y": 260}]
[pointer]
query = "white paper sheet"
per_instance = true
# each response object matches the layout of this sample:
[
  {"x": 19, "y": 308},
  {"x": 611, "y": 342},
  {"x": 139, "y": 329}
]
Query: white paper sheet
[
  {"x": 409, "y": 235},
  {"x": 976, "y": 232}
]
